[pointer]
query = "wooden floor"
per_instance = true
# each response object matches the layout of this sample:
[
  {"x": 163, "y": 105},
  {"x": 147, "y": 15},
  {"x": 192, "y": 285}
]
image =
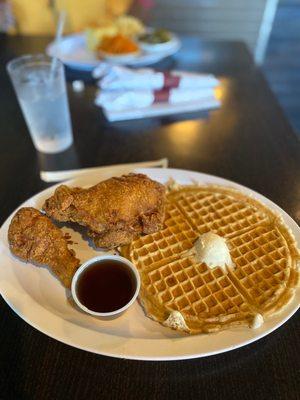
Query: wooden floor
[{"x": 282, "y": 63}]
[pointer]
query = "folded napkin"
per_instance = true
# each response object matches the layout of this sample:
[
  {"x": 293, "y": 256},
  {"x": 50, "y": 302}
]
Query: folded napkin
[
  {"x": 161, "y": 109},
  {"x": 122, "y": 78}
]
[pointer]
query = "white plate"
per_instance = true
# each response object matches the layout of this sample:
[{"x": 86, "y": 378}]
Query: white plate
[
  {"x": 72, "y": 51},
  {"x": 120, "y": 59},
  {"x": 38, "y": 297}
]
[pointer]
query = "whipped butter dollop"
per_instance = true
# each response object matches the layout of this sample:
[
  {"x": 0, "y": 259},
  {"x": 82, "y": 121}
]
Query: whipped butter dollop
[
  {"x": 212, "y": 250},
  {"x": 257, "y": 321},
  {"x": 176, "y": 321}
]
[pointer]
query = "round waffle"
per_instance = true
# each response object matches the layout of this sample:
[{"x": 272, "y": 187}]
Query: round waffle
[{"x": 263, "y": 250}]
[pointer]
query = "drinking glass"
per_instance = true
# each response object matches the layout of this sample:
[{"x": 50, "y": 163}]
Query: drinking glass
[{"x": 40, "y": 86}]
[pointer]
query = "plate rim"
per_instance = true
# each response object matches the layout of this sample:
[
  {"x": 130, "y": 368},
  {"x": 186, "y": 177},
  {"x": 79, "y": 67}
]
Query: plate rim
[{"x": 293, "y": 308}]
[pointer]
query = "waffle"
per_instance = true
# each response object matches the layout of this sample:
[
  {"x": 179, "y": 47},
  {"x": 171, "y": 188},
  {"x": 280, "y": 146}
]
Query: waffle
[{"x": 262, "y": 248}]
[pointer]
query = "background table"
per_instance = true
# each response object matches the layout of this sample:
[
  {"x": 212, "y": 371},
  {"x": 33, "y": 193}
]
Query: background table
[{"x": 247, "y": 140}]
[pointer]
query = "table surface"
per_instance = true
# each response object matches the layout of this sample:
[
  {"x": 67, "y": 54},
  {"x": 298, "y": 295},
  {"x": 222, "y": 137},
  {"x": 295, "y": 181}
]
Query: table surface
[{"x": 247, "y": 140}]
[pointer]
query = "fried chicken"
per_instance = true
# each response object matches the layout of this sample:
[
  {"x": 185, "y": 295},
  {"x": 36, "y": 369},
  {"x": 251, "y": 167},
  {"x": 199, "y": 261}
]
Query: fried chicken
[
  {"x": 33, "y": 237},
  {"x": 115, "y": 211}
]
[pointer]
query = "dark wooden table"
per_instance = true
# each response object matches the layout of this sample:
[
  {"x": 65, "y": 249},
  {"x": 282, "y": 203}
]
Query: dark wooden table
[{"x": 247, "y": 140}]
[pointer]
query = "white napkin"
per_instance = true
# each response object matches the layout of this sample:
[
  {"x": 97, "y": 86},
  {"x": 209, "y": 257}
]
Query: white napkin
[
  {"x": 161, "y": 109},
  {"x": 122, "y": 78},
  {"x": 104, "y": 171}
]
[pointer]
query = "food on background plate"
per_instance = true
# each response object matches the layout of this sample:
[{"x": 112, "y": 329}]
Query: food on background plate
[
  {"x": 94, "y": 35},
  {"x": 117, "y": 45},
  {"x": 34, "y": 238},
  {"x": 156, "y": 36},
  {"x": 124, "y": 25},
  {"x": 184, "y": 294},
  {"x": 129, "y": 25},
  {"x": 115, "y": 211}
]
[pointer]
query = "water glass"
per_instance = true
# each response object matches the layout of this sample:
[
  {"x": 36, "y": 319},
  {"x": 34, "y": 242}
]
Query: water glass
[{"x": 40, "y": 86}]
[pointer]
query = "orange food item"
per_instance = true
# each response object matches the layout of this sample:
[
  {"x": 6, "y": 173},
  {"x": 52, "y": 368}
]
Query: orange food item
[{"x": 118, "y": 44}]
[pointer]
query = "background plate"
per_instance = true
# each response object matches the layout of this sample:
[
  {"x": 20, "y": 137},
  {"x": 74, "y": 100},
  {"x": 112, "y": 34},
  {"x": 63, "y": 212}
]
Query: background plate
[
  {"x": 73, "y": 52},
  {"x": 38, "y": 297}
]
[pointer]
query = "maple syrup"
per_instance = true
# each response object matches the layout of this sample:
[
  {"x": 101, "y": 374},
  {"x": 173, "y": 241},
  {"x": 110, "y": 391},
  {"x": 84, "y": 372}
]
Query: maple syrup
[{"x": 106, "y": 286}]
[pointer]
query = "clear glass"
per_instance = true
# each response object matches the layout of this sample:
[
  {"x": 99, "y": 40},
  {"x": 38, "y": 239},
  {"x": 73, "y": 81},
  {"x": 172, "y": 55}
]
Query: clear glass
[{"x": 42, "y": 96}]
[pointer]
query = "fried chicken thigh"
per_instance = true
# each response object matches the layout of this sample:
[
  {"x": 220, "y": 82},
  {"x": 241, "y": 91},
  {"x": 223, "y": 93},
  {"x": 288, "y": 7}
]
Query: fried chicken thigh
[
  {"x": 34, "y": 238},
  {"x": 115, "y": 211}
]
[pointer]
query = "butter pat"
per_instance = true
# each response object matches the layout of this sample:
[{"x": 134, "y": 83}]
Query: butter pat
[
  {"x": 176, "y": 321},
  {"x": 257, "y": 321},
  {"x": 212, "y": 250}
]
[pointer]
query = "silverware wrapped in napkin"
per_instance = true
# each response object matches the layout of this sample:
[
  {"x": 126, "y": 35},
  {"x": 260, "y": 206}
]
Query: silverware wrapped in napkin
[
  {"x": 122, "y": 78},
  {"x": 127, "y": 94}
]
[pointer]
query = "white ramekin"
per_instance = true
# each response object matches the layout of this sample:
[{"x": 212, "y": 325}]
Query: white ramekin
[{"x": 97, "y": 259}]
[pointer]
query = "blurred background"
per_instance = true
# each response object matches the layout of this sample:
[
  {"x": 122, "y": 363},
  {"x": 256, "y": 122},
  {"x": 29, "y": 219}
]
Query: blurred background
[{"x": 270, "y": 28}]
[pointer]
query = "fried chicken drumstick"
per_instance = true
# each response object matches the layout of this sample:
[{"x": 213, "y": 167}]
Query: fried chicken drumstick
[
  {"x": 115, "y": 211},
  {"x": 34, "y": 238}
]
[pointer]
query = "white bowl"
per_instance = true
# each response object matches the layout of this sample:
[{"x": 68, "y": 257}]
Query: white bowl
[
  {"x": 97, "y": 259},
  {"x": 158, "y": 47}
]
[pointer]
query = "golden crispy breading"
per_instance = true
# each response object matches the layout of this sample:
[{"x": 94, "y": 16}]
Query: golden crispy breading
[
  {"x": 34, "y": 238},
  {"x": 114, "y": 211}
]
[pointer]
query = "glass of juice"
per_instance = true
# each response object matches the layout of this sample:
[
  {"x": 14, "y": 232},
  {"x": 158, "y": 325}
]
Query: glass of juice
[{"x": 40, "y": 86}]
